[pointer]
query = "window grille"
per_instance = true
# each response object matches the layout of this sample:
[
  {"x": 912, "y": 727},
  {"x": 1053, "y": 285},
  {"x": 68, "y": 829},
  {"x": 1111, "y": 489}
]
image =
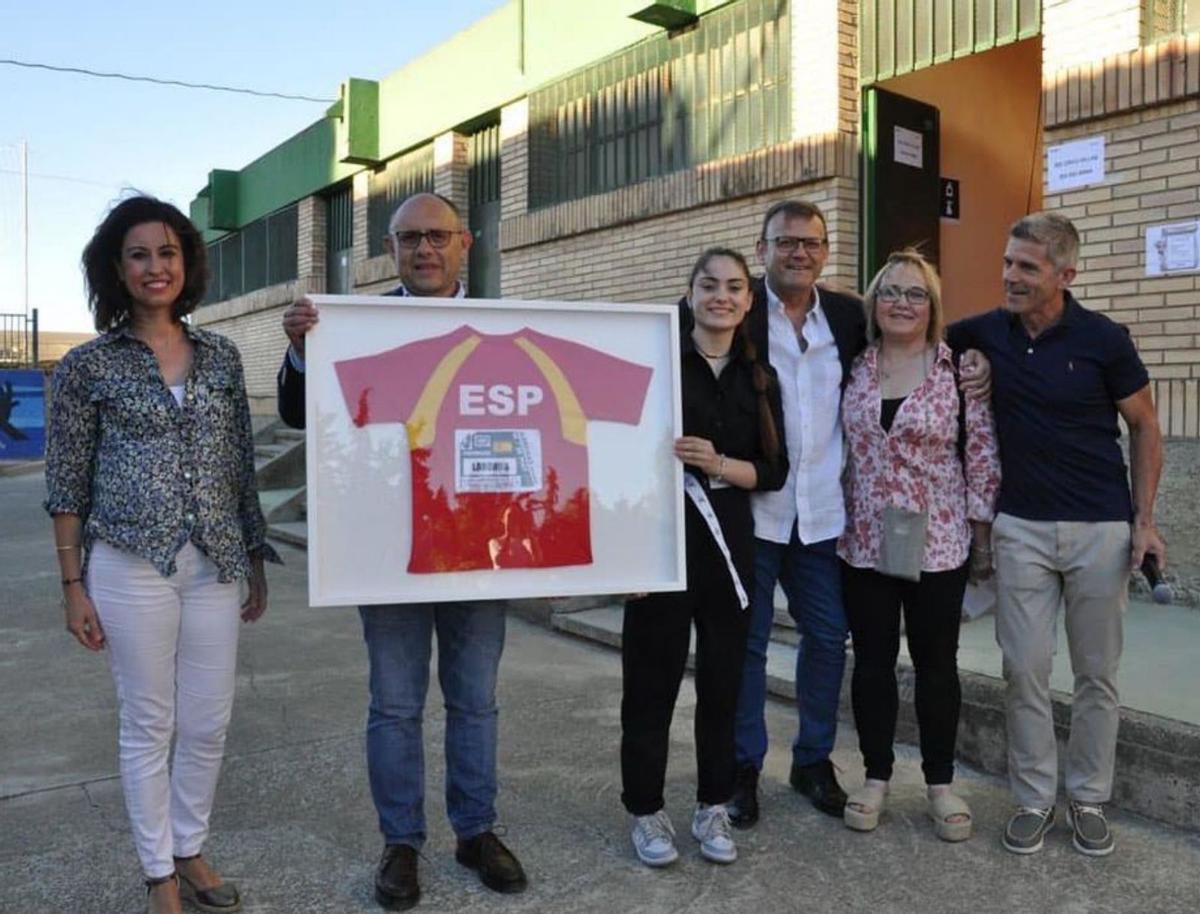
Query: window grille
[
  {"x": 262, "y": 253},
  {"x": 668, "y": 103},
  {"x": 401, "y": 177}
]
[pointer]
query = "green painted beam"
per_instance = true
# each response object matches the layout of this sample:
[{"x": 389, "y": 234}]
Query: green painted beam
[
  {"x": 502, "y": 57},
  {"x": 358, "y": 122},
  {"x": 223, "y": 199}
]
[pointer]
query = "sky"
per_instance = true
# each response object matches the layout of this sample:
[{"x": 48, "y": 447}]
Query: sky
[{"x": 91, "y": 139}]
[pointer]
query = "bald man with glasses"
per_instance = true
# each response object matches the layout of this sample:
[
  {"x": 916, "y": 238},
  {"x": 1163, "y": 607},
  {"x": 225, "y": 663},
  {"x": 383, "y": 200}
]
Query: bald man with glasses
[{"x": 429, "y": 243}]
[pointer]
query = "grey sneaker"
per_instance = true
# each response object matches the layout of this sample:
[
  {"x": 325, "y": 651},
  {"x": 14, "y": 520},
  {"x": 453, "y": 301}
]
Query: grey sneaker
[
  {"x": 1092, "y": 834},
  {"x": 711, "y": 827},
  {"x": 1027, "y": 829},
  {"x": 654, "y": 839}
]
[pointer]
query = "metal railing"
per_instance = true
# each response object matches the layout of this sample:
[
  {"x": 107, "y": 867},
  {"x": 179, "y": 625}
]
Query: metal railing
[{"x": 19, "y": 340}]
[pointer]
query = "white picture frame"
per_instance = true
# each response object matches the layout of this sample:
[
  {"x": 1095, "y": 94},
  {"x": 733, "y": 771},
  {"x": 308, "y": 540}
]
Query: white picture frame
[{"x": 524, "y": 381}]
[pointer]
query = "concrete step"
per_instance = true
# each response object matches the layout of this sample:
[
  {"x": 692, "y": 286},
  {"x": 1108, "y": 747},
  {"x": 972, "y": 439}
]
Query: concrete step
[
  {"x": 292, "y": 532},
  {"x": 271, "y": 449},
  {"x": 1158, "y": 759},
  {"x": 287, "y": 433},
  {"x": 282, "y": 504},
  {"x": 279, "y": 463}
]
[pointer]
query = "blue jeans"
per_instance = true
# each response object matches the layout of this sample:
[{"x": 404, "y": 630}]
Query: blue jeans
[
  {"x": 470, "y": 639},
  {"x": 812, "y": 580}
]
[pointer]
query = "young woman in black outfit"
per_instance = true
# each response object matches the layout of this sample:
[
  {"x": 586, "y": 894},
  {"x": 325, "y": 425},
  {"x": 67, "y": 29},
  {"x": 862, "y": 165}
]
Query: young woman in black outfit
[{"x": 733, "y": 426}]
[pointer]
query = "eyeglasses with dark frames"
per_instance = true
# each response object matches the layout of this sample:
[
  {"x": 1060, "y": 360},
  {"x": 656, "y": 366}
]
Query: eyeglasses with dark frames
[
  {"x": 789, "y": 244},
  {"x": 411, "y": 238}
]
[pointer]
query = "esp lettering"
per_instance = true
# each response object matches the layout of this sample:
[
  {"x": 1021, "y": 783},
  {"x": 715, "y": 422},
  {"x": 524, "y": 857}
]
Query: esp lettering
[{"x": 497, "y": 399}]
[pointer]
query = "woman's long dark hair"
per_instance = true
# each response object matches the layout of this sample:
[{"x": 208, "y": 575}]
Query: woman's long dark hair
[
  {"x": 763, "y": 379},
  {"x": 108, "y": 299}
]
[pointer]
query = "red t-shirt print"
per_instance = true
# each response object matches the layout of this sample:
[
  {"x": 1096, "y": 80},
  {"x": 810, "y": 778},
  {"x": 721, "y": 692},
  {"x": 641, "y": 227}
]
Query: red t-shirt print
[{"x": 497, "y": 433}]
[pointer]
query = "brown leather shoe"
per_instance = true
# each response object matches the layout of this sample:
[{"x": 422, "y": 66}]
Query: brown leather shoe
[
  {"x": 396, "y": 885},
  {"x": 497, "y": 866}
]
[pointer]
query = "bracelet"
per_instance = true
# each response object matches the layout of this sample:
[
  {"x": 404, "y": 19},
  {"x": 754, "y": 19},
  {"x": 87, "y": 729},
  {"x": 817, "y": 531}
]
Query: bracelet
[
  {"x": 67, "y": 582},
  {"x": 720, "y": 477},
  {"x": 69, "y": 548}
]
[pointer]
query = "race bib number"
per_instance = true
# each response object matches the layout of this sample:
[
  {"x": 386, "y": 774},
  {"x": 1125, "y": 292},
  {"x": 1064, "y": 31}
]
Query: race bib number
[{"x": 497, "y": 460}]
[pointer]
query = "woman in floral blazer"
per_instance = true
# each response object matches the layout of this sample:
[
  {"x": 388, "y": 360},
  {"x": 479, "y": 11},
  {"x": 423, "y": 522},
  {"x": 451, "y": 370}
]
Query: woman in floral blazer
[
  {"x": 909, "y": 462},
  {"x": 150, "y": 479}
]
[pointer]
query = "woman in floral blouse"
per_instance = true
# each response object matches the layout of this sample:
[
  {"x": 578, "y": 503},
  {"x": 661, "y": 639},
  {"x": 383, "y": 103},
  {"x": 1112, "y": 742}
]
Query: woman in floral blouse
[
  {"x": 911, "y": 470},
  {"x": 150, "y": 479}
]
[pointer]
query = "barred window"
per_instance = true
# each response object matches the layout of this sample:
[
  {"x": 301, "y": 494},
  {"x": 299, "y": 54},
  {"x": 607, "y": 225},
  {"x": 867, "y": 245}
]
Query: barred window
[
  {"x": 668, "y": 103},
  {"x": 401, "y": 177},
  {"x": 260, "y": 254}
]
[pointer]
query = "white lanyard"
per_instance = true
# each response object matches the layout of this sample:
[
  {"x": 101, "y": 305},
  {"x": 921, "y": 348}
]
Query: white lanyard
[{"x": 699, "y": 498}]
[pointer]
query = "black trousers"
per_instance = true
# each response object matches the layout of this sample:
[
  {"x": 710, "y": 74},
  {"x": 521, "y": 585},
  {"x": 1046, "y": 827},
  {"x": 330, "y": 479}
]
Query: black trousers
[
  {"x": 656, "y": 635},
  {"x": 932, "y": 612}
]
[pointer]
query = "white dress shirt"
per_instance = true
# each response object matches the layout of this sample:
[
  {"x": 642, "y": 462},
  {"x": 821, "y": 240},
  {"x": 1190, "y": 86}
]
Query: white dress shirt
[{"x": 810, "y": 381}]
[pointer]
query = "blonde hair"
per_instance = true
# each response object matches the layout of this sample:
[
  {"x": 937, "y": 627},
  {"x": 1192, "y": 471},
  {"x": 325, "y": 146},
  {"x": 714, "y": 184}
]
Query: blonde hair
[{"x": 933, "y": 284}]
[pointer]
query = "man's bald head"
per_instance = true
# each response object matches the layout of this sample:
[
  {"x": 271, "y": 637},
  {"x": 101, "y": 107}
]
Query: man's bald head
[{"x": 427, "y": 240}]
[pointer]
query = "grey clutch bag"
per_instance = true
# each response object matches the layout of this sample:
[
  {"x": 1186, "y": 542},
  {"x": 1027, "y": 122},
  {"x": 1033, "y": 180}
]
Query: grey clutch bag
[{"x": 903, "y": 545}]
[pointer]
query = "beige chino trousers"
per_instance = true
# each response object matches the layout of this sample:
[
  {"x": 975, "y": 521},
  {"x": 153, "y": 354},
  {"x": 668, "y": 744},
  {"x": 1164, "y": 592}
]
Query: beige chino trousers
[{"x": 1085, "y": 567}]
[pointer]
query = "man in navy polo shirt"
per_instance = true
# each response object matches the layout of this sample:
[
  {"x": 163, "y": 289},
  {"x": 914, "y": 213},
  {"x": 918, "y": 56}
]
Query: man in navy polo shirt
[{"x": 1067, "y": 529}]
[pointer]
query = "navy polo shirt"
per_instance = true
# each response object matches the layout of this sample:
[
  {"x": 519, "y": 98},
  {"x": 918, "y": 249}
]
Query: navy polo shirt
[{"x": 1055, "y": 400}]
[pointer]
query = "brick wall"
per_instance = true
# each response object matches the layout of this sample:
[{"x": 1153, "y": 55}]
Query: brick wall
[
  {"x": 649, "y": 261},
  {"x": 514, "y": 160},
  {"x": 1152, "y": 176},
  {"x": 311, "y": 227},
  {"x": 254, "y": 323}
]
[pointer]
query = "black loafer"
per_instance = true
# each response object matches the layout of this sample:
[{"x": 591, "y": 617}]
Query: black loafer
[
  {"x": 396, "y": 885},
  {"x": 819, "y": 784},
  {"x": 497, "y": 866},
  {"x": 220, "y": 899},
  {"x": 743, "y": 808}
]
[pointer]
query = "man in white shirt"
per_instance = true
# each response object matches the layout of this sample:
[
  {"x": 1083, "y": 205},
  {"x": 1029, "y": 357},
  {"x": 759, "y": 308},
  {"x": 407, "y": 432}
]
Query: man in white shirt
[{"x": 810, "y": 336}]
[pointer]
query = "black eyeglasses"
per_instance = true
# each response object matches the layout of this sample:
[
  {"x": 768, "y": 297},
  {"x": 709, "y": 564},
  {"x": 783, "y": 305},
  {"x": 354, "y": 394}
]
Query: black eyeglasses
[
  {"x": 438, "y": 238},
  {"x": 914, "y": 295},
  {"x": 789, "y": 244}
]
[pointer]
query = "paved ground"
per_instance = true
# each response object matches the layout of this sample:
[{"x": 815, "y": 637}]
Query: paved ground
[{"x": 294, "y": 824}]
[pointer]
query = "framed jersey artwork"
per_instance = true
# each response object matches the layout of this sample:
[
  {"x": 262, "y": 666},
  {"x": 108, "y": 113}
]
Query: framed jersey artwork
[{"x": 468, "y": 449}]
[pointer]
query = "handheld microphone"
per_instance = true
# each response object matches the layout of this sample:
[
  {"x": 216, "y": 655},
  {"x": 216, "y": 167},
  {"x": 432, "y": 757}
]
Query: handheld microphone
[{"x": 1159, "y": 588}]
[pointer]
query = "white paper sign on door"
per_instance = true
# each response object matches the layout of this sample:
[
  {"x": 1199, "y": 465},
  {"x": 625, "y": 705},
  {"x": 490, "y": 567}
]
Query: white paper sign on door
[{"x": 908, "y": 147}]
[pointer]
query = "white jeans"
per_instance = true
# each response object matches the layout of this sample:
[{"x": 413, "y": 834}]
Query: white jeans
[{"x": 172, "y": 648}]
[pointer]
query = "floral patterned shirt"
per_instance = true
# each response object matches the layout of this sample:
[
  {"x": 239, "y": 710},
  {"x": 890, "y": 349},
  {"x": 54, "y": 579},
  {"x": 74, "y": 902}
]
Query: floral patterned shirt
[
  {"x": 916, "y": 465},
  {"x": 146, "y": 474}
]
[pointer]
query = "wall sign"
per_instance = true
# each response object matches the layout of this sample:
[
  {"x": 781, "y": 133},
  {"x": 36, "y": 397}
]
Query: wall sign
[
  {"x": 477, "y": 449},
  {"x": 950, "y": 201},
  {"x": 1173, "y": 248},
  {"x": 1076, "y": 163}
]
